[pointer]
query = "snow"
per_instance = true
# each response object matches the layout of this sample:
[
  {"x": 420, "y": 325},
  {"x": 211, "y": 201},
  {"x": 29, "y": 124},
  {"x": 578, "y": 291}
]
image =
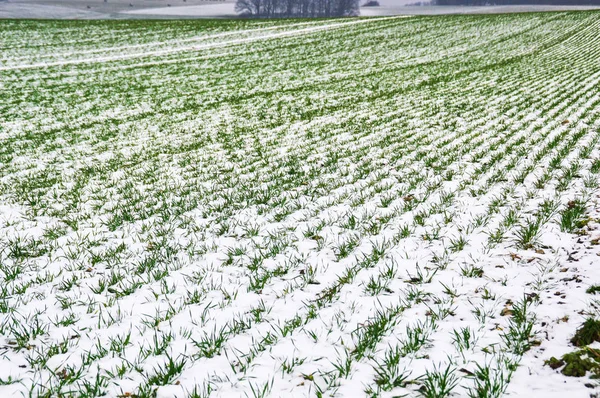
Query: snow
[
  {"x": 127, "y": 9},
  {"x": 284, "y": 206},
  {"x": 208, "y": 10}
]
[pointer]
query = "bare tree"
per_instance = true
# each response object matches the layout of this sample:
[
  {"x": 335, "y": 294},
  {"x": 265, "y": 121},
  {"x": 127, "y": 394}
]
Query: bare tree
[
  {"x": 250, "y": 7},
  {"x": 298, "y": 8}
]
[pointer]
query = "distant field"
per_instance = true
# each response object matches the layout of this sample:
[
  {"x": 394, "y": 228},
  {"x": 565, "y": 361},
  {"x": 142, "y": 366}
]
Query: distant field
[
  {"x": 114, "y": 9},
  {"x": 353, "y": 207},
  {"x": 164, "y": 9}
]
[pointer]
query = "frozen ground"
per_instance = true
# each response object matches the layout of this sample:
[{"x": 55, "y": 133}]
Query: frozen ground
[
  {"x": 119, "y": 9},
  {"x": 125, "y": 9},
  {"x": 24, "y": 10},
  {"x": 225, "y": 9},
  {"x": 378, "y": 207},
  {"x": 388, "y": 8}
]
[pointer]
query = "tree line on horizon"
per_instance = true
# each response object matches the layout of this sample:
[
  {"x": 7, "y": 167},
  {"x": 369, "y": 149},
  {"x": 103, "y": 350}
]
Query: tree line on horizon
[{"x": 297, "y": 8}]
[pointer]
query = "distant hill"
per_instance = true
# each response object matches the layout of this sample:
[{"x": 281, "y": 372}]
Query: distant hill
[{"x": 514, "y": 2}]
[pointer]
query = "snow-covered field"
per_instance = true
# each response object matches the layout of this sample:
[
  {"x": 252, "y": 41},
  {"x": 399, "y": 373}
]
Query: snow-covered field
[
  {"x": 389, "y": 7},
  {"x": 166, "y": 9},
  {"x": 115, "y": 9},
  {"x": 351, "y": 207},
  {"x": 204, "y": 10}
]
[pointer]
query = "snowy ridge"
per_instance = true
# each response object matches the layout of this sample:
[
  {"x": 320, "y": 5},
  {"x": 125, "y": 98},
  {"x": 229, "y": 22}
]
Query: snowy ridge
[{"x": 361, "y": 208}]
